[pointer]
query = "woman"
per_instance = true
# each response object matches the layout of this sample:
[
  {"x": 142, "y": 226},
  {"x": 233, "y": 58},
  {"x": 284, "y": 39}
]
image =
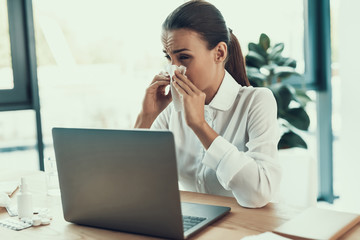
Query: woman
[{"x": 227, "y": 133}]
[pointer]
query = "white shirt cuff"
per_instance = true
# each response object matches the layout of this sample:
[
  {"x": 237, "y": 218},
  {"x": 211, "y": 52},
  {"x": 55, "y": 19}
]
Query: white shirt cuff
[
  {"x": 215, "y": 153},
  {"x": 225, "y": 159}
]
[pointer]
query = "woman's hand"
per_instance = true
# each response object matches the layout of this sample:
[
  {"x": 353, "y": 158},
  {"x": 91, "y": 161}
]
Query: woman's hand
[
  {"x": 193, "y": 99},
  {"x": 194, "y": 104},
  {"x": 155, "y": 101}
]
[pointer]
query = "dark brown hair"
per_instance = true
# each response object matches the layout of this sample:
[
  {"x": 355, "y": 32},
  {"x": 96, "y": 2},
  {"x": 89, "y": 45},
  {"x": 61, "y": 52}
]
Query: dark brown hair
[{"x": 205, "y": 19}]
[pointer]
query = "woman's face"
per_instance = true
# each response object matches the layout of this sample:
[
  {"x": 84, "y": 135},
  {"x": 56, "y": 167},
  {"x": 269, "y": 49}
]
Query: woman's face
[{"x": 185, "y": 47}]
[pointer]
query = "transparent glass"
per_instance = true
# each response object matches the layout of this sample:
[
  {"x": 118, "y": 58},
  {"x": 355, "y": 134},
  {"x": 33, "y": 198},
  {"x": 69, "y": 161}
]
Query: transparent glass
[
  {"x": 52, "y": 179},
  {"x": 6, "y": 72}
]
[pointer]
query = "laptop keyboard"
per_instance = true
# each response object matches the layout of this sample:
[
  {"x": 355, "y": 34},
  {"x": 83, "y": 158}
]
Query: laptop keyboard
[{"x": 191, "y": 221}]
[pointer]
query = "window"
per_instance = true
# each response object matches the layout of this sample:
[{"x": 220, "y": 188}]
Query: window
[
  {"x": 15, "y": 89},
  {"x": 6, "y": 74},
  {"x": 301, "y": 25},
  {"x": 95, "y": 58},
  {"x": 93, "y": 69},
  {"x": 18, "y": 81},
  {"x": 281, "y": 20},
  {"x": 18, "y": 141}
]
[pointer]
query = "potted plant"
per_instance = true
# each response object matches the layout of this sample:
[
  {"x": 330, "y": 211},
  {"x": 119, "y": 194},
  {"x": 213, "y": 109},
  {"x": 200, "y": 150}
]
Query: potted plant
[{"x": 266, "y": 67}]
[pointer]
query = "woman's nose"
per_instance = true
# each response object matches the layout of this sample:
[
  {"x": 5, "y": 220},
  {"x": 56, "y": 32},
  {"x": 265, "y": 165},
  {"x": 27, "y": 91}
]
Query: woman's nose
[{"x": 174, "y": 62}]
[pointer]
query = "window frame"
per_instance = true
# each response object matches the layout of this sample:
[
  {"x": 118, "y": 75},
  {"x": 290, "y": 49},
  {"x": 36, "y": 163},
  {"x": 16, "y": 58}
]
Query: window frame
[
  {"x": 19, "y": 97},
  {"x": 25, "y": 94},
  {"x": 318, "y": 70}
]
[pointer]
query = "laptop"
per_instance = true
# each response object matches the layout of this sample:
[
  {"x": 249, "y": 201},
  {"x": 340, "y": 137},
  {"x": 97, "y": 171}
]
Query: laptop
[{"x": 126, "y": 180}]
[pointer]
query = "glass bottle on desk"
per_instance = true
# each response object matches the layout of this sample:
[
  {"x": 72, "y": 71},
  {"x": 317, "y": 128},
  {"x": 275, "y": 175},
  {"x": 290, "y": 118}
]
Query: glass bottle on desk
[{"x": 52, "y": 180}]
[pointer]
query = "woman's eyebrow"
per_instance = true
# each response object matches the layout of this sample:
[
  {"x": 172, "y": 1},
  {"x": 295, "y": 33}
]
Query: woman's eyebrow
[{"x": 177, "y": 50}]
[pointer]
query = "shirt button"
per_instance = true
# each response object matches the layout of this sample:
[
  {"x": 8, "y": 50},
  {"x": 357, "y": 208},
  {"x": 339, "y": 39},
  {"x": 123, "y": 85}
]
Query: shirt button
[{"x": 199, "y": 181}]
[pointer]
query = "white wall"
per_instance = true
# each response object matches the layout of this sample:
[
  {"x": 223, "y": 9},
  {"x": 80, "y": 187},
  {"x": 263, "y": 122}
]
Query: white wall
[{"x": 349, "y": 135}]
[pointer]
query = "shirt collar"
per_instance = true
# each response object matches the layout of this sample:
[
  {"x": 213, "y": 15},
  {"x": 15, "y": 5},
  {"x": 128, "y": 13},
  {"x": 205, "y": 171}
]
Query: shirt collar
[{"x": 227, "y": 93}]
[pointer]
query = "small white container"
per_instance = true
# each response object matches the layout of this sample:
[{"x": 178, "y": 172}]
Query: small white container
[{"x": 24, "y": 201}]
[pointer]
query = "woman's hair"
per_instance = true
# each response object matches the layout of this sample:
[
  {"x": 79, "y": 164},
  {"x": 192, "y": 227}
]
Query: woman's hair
[{"x": 205, "y": 19}]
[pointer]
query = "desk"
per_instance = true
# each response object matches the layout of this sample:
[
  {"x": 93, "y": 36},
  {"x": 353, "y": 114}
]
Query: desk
[{"x": 238, "y": 223}]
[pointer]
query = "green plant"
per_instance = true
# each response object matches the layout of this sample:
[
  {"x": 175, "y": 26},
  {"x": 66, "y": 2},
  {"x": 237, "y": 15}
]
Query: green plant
[{"x": 266, "y": 67}]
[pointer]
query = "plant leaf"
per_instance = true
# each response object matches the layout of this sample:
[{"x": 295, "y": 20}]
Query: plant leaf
[
  {"x": 258, "y": 49},
  {"x": 270, "y": 67},
  {"x": 276, "y": 51},
  {"x": 280, "y": 69},
  {"x": 264, "y": 41},
  {"x": 255, "y": 82},
  {"x": 252, "y": 69},
  {"x": 296, "y": 117},
  {"x": 254, "y": 59},
  {"x": 284, "y": 61},
  {"x": 301, "y": 97},
  {"x": 259, "y": 76},
  {"x": 284, "y": 72},
  {"x": 283, "y": 95},
  {"x": 290, "y": 140},
  {"x": 256, "y": 78},
  {"x": 289, "y": 62}
]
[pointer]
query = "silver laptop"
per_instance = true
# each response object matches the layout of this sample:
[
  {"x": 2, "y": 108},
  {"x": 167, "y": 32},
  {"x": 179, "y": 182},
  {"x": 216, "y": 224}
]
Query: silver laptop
[{"x": 126, "y": 180}]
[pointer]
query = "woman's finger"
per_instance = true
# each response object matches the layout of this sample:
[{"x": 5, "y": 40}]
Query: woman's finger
[
  {"x": 179, "y": 88},
  {"x": 158, "y": 84},
  {"x": 160, "y": 77},
  {"x": 184, "y": 86},
  {"x": 163, "y": 73},
  {"x": 187, "y": 81}
]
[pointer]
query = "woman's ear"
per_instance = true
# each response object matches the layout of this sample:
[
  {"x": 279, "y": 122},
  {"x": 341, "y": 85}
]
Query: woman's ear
[{"x": 220, "y": 52}]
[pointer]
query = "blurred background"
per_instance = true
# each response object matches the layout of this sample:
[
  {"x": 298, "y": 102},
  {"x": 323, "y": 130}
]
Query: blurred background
[{"x": 94, "y": 60}]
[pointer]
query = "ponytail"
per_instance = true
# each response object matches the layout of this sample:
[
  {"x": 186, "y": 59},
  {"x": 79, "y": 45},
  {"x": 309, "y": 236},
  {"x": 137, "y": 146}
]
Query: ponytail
[{"x": 235, "y": 63}]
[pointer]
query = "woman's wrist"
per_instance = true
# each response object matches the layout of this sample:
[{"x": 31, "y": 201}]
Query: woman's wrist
[
  {"x": 145, "y": 120},
  {"x": 199, "y": 127},
  {"x": 205, "y": 134}
]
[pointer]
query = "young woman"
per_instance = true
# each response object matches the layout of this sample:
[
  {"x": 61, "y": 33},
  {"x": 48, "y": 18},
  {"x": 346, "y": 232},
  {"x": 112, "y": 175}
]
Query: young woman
[{"x": 227, "y": 133}]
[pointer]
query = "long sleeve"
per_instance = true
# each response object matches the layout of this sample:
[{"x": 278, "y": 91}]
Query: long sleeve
[
  {"x": 242, "y": 160},
  {"x": 252, "y": 175}
]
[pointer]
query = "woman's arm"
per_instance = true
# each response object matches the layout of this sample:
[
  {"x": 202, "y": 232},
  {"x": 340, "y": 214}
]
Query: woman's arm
[
  {"x": 155, "y": 101},
  {"x": 194, "y": 101},
  {"x": 253, "y": 175},
  {"x": 144, "y": 121}
]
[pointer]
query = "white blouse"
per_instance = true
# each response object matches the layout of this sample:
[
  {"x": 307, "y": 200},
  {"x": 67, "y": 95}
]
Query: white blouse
[{"x": 242, "y": 161}]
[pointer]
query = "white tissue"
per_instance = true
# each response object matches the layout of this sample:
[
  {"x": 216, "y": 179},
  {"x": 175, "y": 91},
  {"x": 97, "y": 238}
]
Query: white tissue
[
  {"x": 176, "y": 97},
  {"x": 4, "y": 200}
]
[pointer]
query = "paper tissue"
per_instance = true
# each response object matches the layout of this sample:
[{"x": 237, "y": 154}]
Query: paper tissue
[{"x": 176, "y": 97}]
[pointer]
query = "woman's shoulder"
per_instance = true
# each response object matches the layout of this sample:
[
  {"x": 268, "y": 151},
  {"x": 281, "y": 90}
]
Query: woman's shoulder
[
  {"x": 257, "y": 100},
  {"x": 256, "y": 92}
]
